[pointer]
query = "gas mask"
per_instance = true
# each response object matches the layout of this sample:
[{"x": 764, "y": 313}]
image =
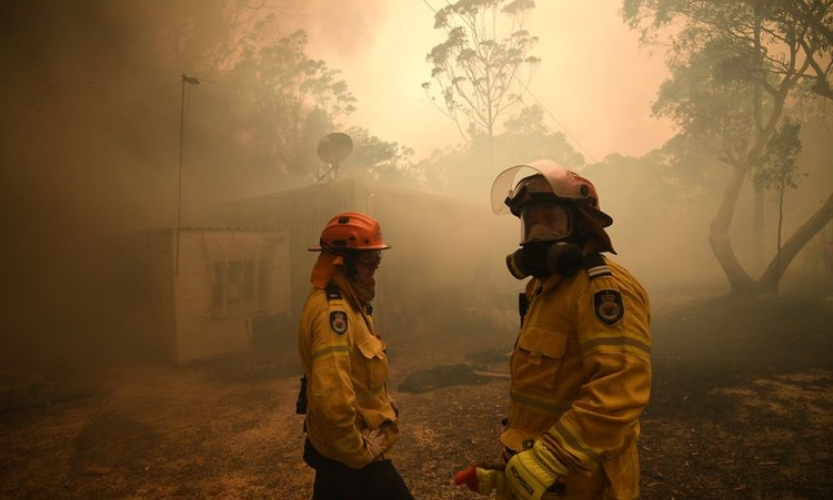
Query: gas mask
[
  {"x": 548, "y": 242},
  {"x": 544, "y": 259}
]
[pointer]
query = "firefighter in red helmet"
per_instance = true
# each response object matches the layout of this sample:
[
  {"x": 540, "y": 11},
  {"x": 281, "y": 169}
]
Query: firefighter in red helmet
[
  {"x": 581, "y": 365},
  {"x": 350, "y": 418}
]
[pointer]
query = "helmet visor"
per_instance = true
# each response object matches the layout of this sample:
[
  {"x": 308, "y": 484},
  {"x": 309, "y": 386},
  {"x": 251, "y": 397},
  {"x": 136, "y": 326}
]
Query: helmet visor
[
  {"x": 545, "y": 221},
  {"x": 503, "y": 187}
]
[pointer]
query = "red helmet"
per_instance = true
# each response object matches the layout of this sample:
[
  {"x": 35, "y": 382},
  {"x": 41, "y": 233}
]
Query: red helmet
[
  {"x": 545, "y": 180},
  {"x": 351, "y": 231}
]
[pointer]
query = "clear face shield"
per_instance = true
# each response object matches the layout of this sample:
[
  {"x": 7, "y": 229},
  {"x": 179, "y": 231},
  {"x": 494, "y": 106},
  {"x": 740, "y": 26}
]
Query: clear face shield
[
  {"x": 545, "y": 221},
  {"x": 549, "y": 200}
]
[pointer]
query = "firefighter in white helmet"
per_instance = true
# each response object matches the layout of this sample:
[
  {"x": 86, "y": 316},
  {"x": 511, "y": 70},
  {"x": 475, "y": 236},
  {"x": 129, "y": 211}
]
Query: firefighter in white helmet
[
  {"x": 581, "y": 365},
  {"x": 350, "y": 417}
]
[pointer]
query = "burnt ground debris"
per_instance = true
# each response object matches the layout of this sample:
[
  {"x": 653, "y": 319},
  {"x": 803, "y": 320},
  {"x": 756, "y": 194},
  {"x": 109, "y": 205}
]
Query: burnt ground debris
[{"x": 742, "y": 407}]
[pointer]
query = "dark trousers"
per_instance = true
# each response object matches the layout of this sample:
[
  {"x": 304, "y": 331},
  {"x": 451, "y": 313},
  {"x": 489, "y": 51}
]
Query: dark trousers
[{"x": 335, "y": 481}]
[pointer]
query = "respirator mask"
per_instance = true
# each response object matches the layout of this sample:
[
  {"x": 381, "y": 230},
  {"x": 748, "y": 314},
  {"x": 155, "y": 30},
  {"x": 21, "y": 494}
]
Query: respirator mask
[
  {"x": 548, "y": 246},
  {"x": 541, "y": 260}
]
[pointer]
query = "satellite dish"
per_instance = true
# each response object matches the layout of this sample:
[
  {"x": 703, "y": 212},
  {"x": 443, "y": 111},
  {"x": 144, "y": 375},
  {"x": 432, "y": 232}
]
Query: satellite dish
[{"x": 335, "y": 147}]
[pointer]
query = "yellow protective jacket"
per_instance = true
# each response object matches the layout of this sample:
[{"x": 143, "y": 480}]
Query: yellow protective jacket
[
  {"x": 347, "y": 372},
  {"x": 581, "y": 376}
]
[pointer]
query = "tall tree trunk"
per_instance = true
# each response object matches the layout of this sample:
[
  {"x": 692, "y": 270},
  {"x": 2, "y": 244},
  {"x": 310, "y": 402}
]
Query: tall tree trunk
[
  {"x": 810, "y": 228},
  {"x": 758, "y": 229},
  {"x": 758, "y": 218},
  {"x": 739, "y": 280}
]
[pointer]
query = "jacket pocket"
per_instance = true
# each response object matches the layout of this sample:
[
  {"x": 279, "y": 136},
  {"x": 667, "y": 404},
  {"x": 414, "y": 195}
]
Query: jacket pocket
[
  {"x": 375, "y": 363},
  {"x": 538, "y": 357}
]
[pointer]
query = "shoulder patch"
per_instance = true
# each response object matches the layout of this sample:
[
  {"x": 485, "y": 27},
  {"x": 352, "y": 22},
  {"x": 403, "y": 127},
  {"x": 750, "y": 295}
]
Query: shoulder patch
[
  {"x": 338, "y": 322},
  {"x": 608, "y": 306}
]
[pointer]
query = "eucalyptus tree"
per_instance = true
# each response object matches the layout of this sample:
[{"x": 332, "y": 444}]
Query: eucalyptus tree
[
  {"x": 779, "y": 172},
  {"x": 742, "y": 75},
  {"x": 209, "y": 36},
  {"x": 277, "y": 102},
  {"x": 281, "y": 102},
  {"x": 483, "y": 68},
  {"x": 382, "y": 160}
]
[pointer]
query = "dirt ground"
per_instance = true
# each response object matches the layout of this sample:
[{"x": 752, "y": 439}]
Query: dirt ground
[{"x": 742, "y": 408}]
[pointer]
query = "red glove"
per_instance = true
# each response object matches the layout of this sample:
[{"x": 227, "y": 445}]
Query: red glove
[
  {"x": 483, "y": 479},
  {"x": 467, "y": 477}
]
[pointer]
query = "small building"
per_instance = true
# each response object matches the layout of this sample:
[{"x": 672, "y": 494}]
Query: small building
[
  {"x": 445, "y": 256},
  {"x": 210, "y": 284}
]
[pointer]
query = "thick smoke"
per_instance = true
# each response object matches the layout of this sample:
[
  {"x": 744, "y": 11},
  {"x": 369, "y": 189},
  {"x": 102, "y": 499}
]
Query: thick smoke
[{"x": 91, "y": 131}]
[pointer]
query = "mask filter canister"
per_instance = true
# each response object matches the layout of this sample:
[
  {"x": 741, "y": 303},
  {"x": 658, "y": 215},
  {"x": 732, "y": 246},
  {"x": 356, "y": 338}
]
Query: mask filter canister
[{"x": 543, "y": 260}]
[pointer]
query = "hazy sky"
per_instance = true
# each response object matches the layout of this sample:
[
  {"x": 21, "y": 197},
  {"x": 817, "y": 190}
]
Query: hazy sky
[{"x": 594, "y": 80}]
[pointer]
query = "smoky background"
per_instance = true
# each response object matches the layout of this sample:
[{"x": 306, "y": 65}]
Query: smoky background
[{"x": 92, "y": 101}]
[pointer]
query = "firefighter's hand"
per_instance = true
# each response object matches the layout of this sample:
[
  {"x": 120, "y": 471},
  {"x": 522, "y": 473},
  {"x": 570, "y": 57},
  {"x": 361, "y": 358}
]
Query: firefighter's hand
[
  {"x": 531, "y": 472},
  {"x": 374, "y": 441},
  {"x": 483, "y": 479}
]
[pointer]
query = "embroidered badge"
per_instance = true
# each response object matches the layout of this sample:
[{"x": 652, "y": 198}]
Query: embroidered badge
[
  {"x": 608, "y": 306},
  {"x": 338, "y": 322}
]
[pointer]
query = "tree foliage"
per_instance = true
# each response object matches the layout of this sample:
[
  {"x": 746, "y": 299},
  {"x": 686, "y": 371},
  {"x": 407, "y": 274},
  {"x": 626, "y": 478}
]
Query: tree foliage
[
  {"x": 778, "y": 165},
  {"x": 742, "y": 71},
  {"x": 375, "y": 158},
  {"x": 480, "y": 72},
  {"x": 210, "y": 36},
  {"x": 275, "y": 103},
  {"x": 287, "y": 101}
]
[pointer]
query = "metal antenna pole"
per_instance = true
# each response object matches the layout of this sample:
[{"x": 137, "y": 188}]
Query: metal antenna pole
[
  {"x": 179, "y": 194},
  {"x": 333, "y": 168},
  {"x": 191, "y": 81}
]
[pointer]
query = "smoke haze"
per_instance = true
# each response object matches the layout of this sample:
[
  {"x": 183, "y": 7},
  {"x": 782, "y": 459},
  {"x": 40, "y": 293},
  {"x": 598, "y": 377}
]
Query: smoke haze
[
  {"x": 91, "y": 133},
  {"x": 594, "y": 80}
]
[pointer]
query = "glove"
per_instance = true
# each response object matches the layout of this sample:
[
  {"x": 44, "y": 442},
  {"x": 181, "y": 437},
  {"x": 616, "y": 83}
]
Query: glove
[
  {"x": 374, "y": 441},
  {"x": 483, "y": 479},
  {"x": 531, "y": 472}
]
